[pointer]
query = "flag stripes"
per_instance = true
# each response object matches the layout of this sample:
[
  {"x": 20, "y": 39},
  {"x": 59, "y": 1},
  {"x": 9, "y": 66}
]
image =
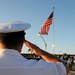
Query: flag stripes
[{"x": 46, "y": 26}]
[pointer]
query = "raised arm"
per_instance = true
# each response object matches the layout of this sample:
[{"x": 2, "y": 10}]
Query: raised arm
[{"x": 45, "y": 55}]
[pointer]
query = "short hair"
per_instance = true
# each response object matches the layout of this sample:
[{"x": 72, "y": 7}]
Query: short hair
[{"x": 13, "y": 39}]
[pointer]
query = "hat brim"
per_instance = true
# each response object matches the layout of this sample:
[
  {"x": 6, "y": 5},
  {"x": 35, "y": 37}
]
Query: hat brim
[{"x": 15, "y": 26}]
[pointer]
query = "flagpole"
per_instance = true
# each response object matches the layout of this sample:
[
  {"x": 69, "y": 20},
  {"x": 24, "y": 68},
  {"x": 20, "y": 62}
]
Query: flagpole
[
  {"x": 43, "y": 41},
  {"x": 53, "y": 33}
]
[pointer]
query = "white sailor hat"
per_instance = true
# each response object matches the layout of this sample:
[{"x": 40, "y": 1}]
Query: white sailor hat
[{"x": 15, "y": 26}]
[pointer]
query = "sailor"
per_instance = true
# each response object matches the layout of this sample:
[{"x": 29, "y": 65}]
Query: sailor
[{"x": 12, "y": 38}]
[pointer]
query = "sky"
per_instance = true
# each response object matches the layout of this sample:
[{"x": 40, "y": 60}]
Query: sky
[{"x": 36, "y": 12}]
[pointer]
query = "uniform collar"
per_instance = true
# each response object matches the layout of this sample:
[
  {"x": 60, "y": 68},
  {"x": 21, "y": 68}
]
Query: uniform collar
[{"x": 9, "y": 51}]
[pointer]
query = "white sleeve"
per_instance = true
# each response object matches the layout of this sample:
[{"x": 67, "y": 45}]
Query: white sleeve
[
  {"x": 54, "y": 68},
  {"x": 61, "y": 68}
]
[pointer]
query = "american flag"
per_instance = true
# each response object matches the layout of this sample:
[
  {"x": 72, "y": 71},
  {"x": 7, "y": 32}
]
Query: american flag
[{"x": 46, "y": 26}]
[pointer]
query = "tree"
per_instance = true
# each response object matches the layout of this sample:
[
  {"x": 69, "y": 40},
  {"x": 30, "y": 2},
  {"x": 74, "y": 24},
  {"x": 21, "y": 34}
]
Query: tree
[{"x": 29, "y": 50}]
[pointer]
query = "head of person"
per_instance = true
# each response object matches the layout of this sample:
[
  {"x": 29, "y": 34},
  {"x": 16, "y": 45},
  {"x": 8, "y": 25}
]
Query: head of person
[{"x": 12, "y": 35}]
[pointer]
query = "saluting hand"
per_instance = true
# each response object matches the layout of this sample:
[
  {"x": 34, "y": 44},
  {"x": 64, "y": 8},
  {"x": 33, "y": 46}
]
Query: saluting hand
[{"x": 35, "y": 49}]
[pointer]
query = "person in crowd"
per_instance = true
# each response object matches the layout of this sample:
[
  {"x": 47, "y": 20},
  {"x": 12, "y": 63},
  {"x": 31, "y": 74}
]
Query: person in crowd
[
  {"x": 12, "y": 38},
  {"x": 71, "y": 62},
  {"x": 64, "y": 58}
]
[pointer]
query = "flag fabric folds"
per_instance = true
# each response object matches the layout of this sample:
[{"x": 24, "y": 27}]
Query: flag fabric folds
[{"x": 46, "y": 26}]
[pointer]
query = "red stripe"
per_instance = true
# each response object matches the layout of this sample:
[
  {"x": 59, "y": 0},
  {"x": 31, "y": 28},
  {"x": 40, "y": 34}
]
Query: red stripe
[{"x": 45, "y": 28}]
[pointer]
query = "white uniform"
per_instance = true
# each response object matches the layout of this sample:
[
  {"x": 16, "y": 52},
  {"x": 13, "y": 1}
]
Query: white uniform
[{"x": 12, "y": 63}]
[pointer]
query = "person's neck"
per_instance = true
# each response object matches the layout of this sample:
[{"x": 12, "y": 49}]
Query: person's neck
[{"x": 3, "y": 47}]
